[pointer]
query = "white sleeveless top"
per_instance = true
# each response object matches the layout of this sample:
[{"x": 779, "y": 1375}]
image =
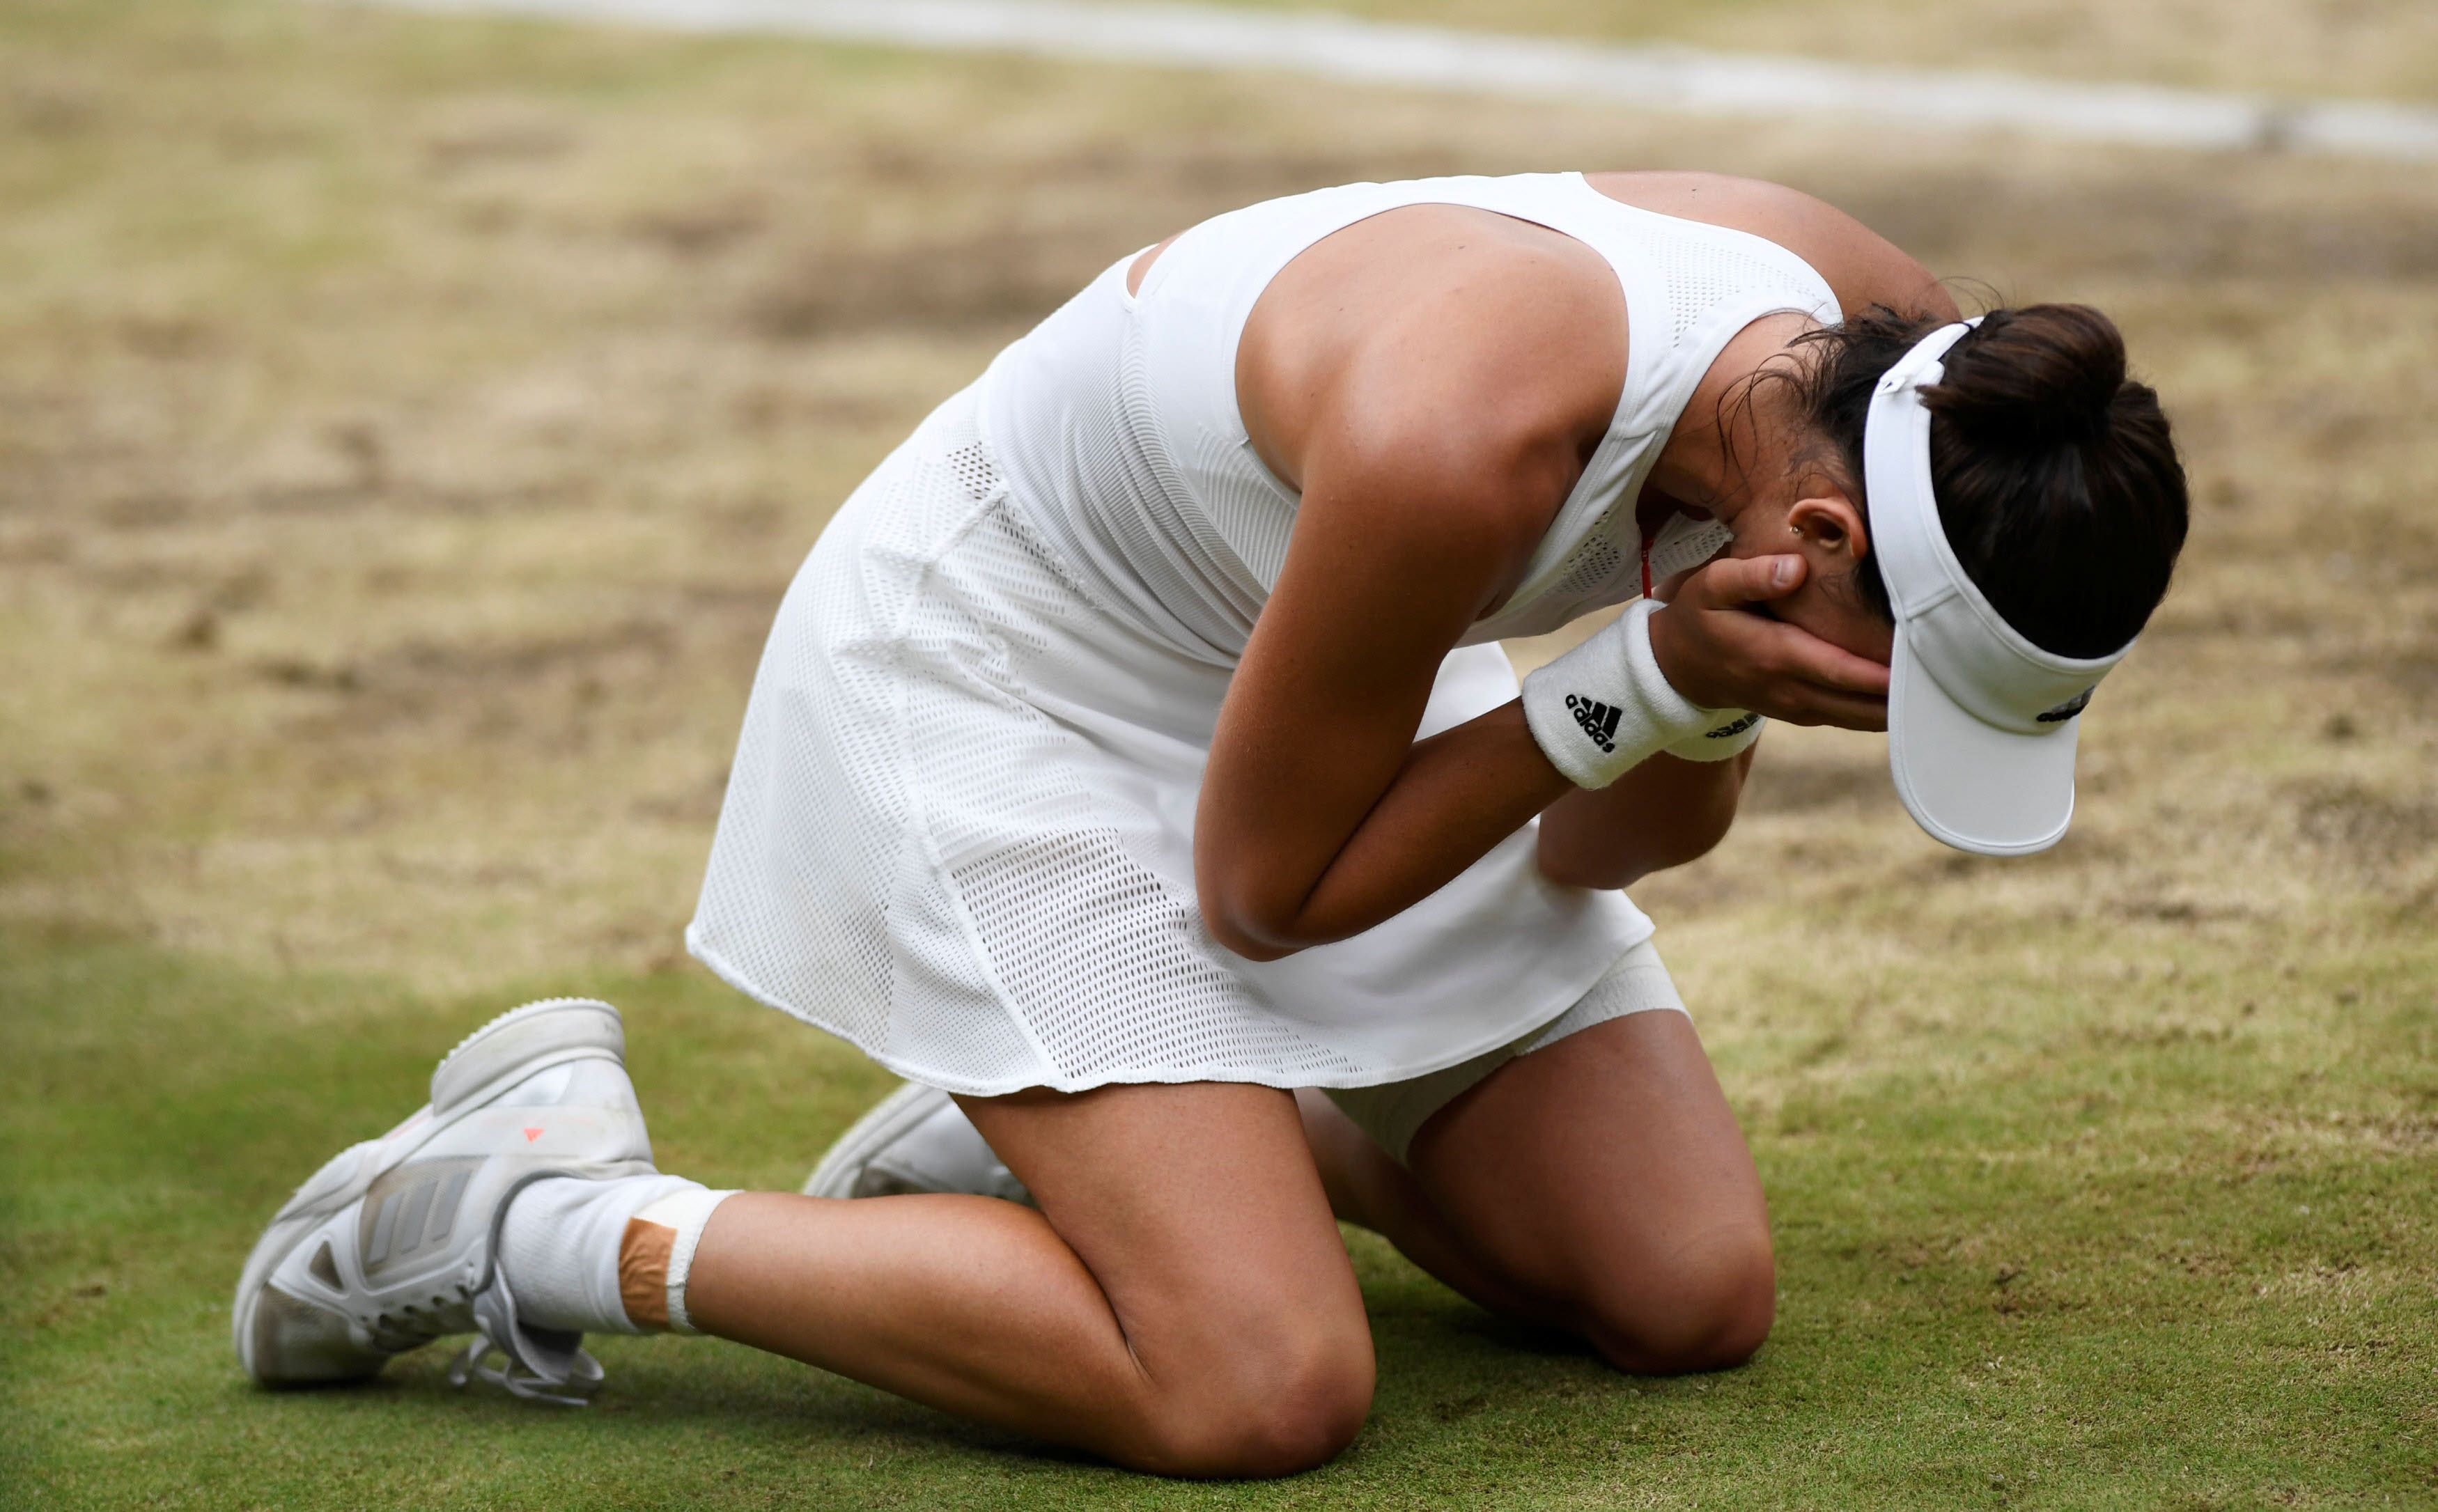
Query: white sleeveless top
[
  {"x": 1116, "y": 420},
  {"x": 959, "y": 829}
]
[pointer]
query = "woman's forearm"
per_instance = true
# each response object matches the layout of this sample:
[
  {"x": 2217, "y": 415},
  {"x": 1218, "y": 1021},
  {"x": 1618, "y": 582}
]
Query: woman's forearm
[
  {"x": 1662, "y": 813},
  {"x": 1461, "y": 792},
  {"x": 1457, "y": 795}
]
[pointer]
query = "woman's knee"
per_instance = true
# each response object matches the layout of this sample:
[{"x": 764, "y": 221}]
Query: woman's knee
[
  {"x": 1709, "y": 1307},
  {"x": 1278, "y": 1409}
]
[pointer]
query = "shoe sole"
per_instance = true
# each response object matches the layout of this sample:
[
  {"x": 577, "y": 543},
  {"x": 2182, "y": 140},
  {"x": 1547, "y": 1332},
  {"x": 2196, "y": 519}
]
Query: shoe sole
[
  {"x": 876, "y": 1131},
  {"x": 518, "y": 1044}
]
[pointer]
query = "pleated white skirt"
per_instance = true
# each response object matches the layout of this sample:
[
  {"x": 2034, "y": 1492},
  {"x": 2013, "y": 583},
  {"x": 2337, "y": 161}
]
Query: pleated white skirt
[{"x": 959, "y": 833}]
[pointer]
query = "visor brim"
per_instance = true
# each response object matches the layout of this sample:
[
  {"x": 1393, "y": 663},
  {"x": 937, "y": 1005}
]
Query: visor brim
[{"x": 1967, "y": 785}]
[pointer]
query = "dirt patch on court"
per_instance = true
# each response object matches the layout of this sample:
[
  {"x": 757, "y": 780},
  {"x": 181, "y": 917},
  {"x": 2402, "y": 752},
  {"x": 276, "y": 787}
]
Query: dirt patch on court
[
  {"x": 2359, "y": 829},
  {"x": 407, "y": 429}
]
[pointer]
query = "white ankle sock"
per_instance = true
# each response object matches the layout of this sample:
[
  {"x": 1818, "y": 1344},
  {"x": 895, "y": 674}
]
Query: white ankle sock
[{"x": 563, "y": 1238}]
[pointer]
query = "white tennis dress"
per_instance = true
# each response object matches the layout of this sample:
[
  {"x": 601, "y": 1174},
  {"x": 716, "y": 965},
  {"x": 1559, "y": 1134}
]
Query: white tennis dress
[{"x": 959, "y": 832}]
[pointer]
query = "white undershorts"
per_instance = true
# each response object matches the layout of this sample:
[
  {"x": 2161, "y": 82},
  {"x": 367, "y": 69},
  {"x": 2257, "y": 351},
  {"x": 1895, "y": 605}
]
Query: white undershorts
[{"x": 1393, "y": 1112}]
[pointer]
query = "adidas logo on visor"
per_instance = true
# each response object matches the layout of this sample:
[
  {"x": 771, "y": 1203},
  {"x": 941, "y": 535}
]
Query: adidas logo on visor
[
  {"x": 2069, "y": 709},
  {"x": 1600, "y": 720}
]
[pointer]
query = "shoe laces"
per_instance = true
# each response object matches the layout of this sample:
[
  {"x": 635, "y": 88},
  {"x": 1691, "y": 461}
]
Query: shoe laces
[
  {"x": 520, "y": 1379},
  {"x": 541, "y": 1365}
]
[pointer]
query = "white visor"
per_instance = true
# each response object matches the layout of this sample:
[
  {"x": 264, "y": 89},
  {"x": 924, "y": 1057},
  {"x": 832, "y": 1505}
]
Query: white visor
[{"x": 1981, "y": 722}]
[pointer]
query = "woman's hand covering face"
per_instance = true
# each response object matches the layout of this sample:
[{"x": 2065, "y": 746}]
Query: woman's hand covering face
[{"x": 1722, "y": 646}]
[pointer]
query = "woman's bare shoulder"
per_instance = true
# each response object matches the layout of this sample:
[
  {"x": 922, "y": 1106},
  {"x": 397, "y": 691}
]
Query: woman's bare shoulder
[
  {"x": 1440, "y": 331},
  {"x": 1862, "y": 267}
]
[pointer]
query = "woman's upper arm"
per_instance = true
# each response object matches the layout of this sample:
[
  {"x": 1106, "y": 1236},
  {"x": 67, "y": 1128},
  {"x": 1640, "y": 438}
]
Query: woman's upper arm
[
  {"x": 1864, "y": 268},
  {"x": 1402, "y": 541},
  {"x": 1426, "y": 484}
]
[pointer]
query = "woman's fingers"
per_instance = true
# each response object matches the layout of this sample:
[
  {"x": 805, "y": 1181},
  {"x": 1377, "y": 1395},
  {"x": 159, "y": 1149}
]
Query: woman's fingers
[
  {"x": 1846, "y": 711},
  {"x": 1731, "y": 582},
  {"x": 1792, "y": 652},
  {"x": 1823, "y": 684},
  {"x": 1721, "y": 656}
]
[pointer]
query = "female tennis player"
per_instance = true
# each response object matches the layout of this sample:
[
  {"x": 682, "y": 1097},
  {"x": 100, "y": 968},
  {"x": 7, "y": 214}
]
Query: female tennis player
[{"x": 1134, "y": 751}]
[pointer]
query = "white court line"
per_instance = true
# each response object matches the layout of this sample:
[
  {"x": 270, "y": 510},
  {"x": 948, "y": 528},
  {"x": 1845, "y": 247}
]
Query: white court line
[{"x": 1647, "y": 78}]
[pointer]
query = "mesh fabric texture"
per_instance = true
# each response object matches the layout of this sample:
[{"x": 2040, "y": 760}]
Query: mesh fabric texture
[
  {"x": 959, "y": 832},
  {"x": 1117, "y": 419}
]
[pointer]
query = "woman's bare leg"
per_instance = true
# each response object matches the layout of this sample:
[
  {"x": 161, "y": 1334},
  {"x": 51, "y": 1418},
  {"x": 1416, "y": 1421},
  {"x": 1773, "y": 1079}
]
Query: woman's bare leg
[
  {"x": 1600, "y": 1184},
  {"x": 1370, "y": 1190},
  {"x": 1180, "y": 1302}
]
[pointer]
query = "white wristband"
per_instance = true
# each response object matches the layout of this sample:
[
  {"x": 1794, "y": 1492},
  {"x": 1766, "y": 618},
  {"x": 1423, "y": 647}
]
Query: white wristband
[
  {"x": 1604, "y": 708},
  {"x": 1732, "y": 735}
]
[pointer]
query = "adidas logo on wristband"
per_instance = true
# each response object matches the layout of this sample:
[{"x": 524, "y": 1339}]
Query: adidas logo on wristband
[
  {"x": 1730, "y": 731},
  {"x": 1600, "y": 720}
]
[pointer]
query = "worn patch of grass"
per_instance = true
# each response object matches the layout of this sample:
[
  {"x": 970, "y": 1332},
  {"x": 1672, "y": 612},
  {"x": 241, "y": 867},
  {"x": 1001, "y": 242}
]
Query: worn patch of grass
[{"x": 407, "y": 427}]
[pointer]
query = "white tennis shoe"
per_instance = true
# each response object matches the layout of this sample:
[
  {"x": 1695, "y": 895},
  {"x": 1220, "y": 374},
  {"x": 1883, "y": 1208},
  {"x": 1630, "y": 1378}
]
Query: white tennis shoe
[
  {"x": 916, "y": 1139},
  {"x": 393, "y": 1244}
]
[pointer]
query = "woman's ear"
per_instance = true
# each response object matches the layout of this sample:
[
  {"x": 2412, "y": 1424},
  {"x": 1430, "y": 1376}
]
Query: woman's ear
[{"x": 1831, "y": 530}]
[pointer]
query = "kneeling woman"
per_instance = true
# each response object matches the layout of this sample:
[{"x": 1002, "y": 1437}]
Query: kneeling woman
[{"x": 1134, "y": 752}]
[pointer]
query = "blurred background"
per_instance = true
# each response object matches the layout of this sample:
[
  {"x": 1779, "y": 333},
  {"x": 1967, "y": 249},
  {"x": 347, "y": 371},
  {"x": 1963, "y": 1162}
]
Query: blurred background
[{"x": 408, "y": 424}]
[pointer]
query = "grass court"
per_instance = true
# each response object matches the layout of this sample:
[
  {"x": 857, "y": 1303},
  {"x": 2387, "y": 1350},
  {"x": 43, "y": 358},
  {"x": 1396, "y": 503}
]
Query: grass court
[{"x": 407, "y": 428}]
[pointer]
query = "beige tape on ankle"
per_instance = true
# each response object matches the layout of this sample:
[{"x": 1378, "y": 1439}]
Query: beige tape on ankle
[
  {"x": 643, "y": 1272},
  {"x": 656, "y": 1258}
]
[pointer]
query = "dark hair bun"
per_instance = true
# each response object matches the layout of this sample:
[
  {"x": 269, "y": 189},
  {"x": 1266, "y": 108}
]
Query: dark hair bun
[
  {"x": 2032, "y": 377},
  {"x": 2057, "y": 476}
]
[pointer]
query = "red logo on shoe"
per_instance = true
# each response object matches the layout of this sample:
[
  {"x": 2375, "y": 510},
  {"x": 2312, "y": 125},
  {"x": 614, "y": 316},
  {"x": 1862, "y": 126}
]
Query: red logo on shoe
[{"x": 532, "y": 1135}]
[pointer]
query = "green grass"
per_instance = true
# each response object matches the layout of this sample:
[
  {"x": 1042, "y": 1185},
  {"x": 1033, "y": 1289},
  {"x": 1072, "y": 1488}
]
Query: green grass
[
  {"x": 2064, "y": 1267},
  {"x": 408, "y": 424}
]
